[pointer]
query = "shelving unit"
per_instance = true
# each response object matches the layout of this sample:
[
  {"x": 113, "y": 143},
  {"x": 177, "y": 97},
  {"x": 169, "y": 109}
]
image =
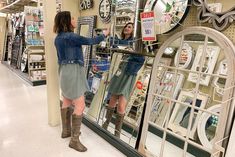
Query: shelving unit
[{"x": 18, "y": 6}]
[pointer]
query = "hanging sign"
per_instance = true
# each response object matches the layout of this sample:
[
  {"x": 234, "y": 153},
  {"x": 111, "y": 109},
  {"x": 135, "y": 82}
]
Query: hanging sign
[
  {"x": 148, "y": 27},
  {"x": 86, "y": 4}
]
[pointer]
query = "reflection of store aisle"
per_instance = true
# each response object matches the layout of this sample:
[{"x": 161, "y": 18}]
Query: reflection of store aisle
[
  {"x": 24, "y": 128},
  {"x": 153, "y": 144}
]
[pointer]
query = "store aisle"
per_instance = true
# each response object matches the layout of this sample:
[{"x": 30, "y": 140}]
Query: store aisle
[{"x": 24, "y": 131}]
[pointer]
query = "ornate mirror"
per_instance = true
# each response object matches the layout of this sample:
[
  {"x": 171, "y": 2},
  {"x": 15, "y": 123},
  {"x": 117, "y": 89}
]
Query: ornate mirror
[
  {"x": 105, "y": 10},
  {"x": 221, "y": 13},
  {"x": 85, "y": 28},
  {"x": 168, "y": 13}
]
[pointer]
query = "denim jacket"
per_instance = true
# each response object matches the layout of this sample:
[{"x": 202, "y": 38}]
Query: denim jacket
[
  {"x": 69, "y": 47},
  {"x": 134, "y": 61}
]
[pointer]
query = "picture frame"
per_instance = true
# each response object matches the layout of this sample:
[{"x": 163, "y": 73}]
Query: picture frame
[
  {"x": 212, "y": 53},
  {"x": 178, "y": 122},
  {"x": 165, "y": 88}
]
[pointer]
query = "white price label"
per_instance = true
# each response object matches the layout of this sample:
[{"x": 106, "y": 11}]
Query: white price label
[{"x": 148, "y": 28}]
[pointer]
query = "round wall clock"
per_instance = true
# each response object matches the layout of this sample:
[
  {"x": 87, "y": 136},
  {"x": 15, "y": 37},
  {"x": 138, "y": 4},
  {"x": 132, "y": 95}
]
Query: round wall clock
[
  {"x": 105, "y": 10},
  {"x": 168, "y": 13}
]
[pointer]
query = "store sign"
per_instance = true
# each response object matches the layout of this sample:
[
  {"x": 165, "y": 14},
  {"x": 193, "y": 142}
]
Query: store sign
[
  {"x": 86, "y": 4},
  {"x": 148, "y": 26}
]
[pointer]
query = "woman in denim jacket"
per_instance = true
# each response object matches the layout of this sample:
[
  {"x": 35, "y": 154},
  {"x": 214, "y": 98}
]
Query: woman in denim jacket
[
  {"x": 122, "y": 82},
  {"x": 72, "y": 77}
]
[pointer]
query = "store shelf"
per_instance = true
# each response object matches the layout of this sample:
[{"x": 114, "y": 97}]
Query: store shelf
[
  {"x": 122, "y": 16},
  {"x": 37, "y": 61},
  {"x": 126, "y": 9},
  {"x": 36, "y": 69},
  {"x": 18, "y": 6}
]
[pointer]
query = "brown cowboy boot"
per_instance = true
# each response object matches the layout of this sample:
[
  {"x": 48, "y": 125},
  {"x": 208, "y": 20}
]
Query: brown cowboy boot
[
  {"x": 118, "y": 125},
  {"x": 109, "y": 115},
  {"x": 66, "y": 122},
  {"x": 76, "y": 126}
]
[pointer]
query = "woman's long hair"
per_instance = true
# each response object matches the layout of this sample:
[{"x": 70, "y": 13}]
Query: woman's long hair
[
  {"x": 62, "y": 22},
  {"x": 132, "y": 33}
]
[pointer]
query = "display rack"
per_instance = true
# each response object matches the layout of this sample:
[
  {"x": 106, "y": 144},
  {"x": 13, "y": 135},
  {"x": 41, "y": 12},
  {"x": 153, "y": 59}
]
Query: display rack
[{"x": 18, "y": 6}]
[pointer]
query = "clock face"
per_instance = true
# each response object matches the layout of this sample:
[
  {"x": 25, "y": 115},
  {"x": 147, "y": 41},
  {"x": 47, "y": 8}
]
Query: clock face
[{"x": 105, "y": 10}]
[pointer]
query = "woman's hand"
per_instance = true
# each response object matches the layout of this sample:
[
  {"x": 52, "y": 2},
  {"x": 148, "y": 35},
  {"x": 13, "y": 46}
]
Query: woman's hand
[{"x": 106, "y": 32}]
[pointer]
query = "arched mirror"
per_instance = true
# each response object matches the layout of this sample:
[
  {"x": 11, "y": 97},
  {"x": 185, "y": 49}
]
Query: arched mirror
[
  {"x": 218, "y": 12},
  {"x": 168, "y": 13},
  {"x": 185, "y": 114}
]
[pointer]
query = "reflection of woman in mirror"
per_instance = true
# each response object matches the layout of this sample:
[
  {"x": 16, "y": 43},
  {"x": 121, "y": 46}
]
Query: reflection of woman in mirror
[
  {"x": 72, "y": 77},
  {"x": 123, "y": 81}
]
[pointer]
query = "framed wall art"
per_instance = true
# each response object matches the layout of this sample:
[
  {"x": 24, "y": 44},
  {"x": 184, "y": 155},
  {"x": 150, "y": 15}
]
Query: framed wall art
[{"x": 105, "y": 10}]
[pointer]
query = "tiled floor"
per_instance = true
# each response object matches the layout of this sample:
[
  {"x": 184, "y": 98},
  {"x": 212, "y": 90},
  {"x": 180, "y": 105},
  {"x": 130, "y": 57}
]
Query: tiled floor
[{"x": 24, "y": 131}]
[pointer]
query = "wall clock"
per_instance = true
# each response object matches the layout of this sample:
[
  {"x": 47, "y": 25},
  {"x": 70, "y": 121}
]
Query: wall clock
[{"x": 105, "y": 10}]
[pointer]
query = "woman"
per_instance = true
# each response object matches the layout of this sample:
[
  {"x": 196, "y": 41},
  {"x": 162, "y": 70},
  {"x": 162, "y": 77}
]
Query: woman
[
  {"x": 123, "y": 81},
  {"x": 72, "y": 77}
]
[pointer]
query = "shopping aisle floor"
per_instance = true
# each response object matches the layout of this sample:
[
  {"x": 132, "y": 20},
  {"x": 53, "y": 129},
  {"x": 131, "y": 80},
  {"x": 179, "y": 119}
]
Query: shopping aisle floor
[{"x": 24, "y": 131}]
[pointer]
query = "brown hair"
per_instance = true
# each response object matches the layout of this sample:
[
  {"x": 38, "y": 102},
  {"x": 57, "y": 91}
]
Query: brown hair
[
  {"x": 132, "y": 33},
  {"x": 62, "y": 22}
]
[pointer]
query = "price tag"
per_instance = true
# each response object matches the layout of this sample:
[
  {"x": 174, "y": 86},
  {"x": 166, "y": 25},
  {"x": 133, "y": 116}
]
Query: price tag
[{"x": 148, "y": 26}]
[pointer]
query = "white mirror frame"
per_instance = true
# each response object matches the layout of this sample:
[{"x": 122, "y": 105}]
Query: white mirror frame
[
  {"x": 202, "y": 124},
  {"x": 227, "y": 110}
]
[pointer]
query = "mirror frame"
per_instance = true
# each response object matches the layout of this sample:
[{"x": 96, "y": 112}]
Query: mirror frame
[
  {"x": 91, "y": 21},
  {"x": 220, "y": 21}
]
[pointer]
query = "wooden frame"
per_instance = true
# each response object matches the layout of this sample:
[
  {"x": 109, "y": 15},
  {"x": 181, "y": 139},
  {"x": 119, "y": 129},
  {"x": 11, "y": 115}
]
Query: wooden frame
[
  {"x": 220, "y": 21},
  {"x": 91, "y": 22}
]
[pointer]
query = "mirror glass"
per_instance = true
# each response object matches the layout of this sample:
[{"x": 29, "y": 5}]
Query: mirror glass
[
  {"x": 125, "y": 96},
  {"x": 97, "y": 77},
  {"x": 219, "y": 6},
  {"x": 189, "y": 85},
  {"x": 168, "y": 13}
]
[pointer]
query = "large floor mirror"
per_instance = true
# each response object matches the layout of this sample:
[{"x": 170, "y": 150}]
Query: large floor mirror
[{"x": 189, "y": 102}]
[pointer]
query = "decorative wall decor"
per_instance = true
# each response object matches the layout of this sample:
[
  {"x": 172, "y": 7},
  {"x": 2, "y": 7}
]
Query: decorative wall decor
[
  {"x": 212, "y": 53},
  {"x": 206, "y": 127},
  {"x": 87, "y": 24},
  {"x": 105, "y": 10},
  {"x": 168, "y": 13},
  {"x": 184, "y": 57},
  {"x": 86, "y": 4},
  {"x": 212, "y": 14}
]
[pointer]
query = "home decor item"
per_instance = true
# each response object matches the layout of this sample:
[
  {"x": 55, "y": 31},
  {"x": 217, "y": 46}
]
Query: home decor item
[
  {"x": 168, "y": 13},
  {"x": 221, "y": 15},
  {"x": 204, "y": 65},
  {"x": 105, "y": 8}
]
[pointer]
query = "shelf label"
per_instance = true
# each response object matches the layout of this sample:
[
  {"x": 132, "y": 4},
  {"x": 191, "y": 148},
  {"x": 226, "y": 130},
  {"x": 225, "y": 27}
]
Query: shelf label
[{"x": 147, "y": 26}]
